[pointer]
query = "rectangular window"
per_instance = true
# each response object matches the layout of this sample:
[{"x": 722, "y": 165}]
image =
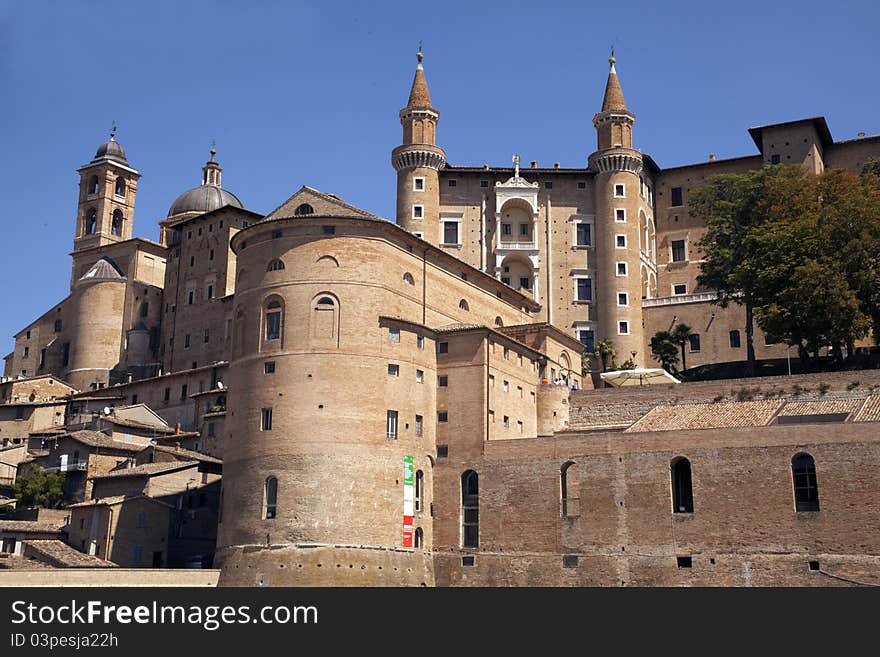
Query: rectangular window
[
  {"x": 583, "y": 235},
  {"x": 190, "y": 297},
  {"x": 142, "y": 520},
  {"x": 269, "y": 367},
  {"x": 394, "y": 334},
  {"x": 192, "y": 261},
  {"x": 207, "y": 337},
  {"x": 442, "y": 347},
  {"x": 186, "y": 341},
  {"x": 584, "y": 289},
  {"x": 27, "y": 351},
  {"x": 694, "y": 339},
  {"x": 58, "y": 326},
  {"x": 450, "y": 232},
  {"x": 391, "y": 425},
  {"x": 506, "y": 422},
  {"x": 442, "y": 453},
  {"x": 42, "y": 358},
  {"x": 679, "y": 289},
  {"x": 523, "y": 230},
  {"x": 734, "y": 339},
  {"x": 620, "y": 215},
  {"x": 273, "y": 326},
  {"x": 442, "y": 416},
  {"x": 623, "y": 328},
  {"x": 134, "y": 399},
  {"x": 393, "y": 370},
  {"x": 582, "y": 185},
  {"x": 519, "y": 426},
  {"x": 418, "y": 211},
  {"x": 211, "y": 254},
  {"x": 505, "y": 280},
  {"x": 774, "y": 159},
  {"x": 420, "y": 342},
  {"x": 328, "y": 230},
  {"x": 209, "y": 294},
  {"x": 548, "y": 185},
  {"x": 678, "y": 251},
  {"x": 505, "y": 386},
  {"x": 622, "y": 299},
  {"x": 621, "y": 269},
  {"x": 620, "y": 242},
  {"x": 675, "y": 193},
  {"x": 419, "y": 423},
  {"x": 619, "y": 191},
  {"x": 183, "y": 390},
  {"x": 418, "y": 184},
  {"x": 506, "y": 229},
  {"x": 167, "y": 394},
  {"x": 506, "y": 353},
  {"x": 420, "y": 376},
  {"x": 525, "y": 283},
  {"x": 266, "y": 419},
  {"x": 442, "y": 381},
  {"x": 210, "y": 429},
  {"x": 588, "y": 339},
  {"x": 453, "y": 183}
]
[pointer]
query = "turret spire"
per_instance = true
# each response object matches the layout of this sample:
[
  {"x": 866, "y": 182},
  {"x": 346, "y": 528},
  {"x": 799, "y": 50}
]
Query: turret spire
[
  {"x": 211, "y": 171},
  {"x": 418, "y": 95},
  {"x": 613, "y": 93}
]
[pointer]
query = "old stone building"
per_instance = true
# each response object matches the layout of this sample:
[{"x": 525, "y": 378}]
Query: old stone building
[{"x": 404, "y": 404}]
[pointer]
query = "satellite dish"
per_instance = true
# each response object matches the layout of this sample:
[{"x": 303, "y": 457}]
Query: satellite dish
[
  {"x": 219, "y": 385},
  {"x": 106, "y": 410}
]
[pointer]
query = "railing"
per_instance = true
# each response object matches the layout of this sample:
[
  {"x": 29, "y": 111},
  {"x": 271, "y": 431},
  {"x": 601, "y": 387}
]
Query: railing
[
  {"x": 514, "y": 245},
  {"x": 680, "y": 298}
]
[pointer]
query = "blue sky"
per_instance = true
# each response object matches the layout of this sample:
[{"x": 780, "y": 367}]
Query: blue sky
[{"x": 308, "y": 93}]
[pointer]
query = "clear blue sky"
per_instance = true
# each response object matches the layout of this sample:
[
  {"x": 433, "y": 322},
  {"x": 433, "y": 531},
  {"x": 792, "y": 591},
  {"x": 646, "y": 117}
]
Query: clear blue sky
[{"x": 308, "y": 93}]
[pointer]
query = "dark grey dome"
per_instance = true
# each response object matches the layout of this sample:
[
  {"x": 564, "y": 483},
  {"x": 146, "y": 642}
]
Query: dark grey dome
[
  {"x": 110, "y": 150},
  {"x": 203, "y": 199}
]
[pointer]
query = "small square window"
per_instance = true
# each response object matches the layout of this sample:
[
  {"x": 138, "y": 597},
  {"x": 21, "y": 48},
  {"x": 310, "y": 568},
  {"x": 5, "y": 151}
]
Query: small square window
[
  {"x": 679, "y": 288},
  {"x": 621, "y": 241},
  {"x": 442, "y": 381},
  {"x": 620, "y": 215},
  {"x": 393, "y": 370},
  {"x": 621, "y": 269},
  {"x": 442, "y": 451},
  {"x": 813, "y": 565},
  {"x": 420, "y": 341},
  {"x": 548, "y": 185},
  {"x": 328, "y": 230},
  {"x": 622, "y": 299},
  {"x": 453, "y": 183},
  {"x": 420, "y": 376},
  {"x": 269, "y": 367},
  {"x": 443, "y": 416},
  {"x": 484, "y": 183},
  {"x": 619, "y": 191},
  {"x": 442, "y": 347},
  {"x": 468, "y": 561},
  {"x": 418, "y": 184},
  {"x": 623, "y": 328},
  {"x": 684, "y": 562},
  {"x": 570, "y": 561},
  {"x": 582, "y": 185},
  {"x": 418, "y": 211},
  {"x": 276, "y": 234},
  {"x": 774, "y": 159},
  {"x": 394, "y": 334}
]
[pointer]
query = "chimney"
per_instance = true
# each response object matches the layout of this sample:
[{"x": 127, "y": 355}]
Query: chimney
[
  {"x": 534, "y": 164},
  {"x": 711, "y": 157},
  {"x": 861, "y": 135},
  {"x": 177, "y": 446},
  {"x": 177, "y": 429}
]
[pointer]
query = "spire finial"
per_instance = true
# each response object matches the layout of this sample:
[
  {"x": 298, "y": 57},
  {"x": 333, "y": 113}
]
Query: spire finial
[
  {"x": 213, "y": 149},
  {"x": 611, "y": 59},
  {"x": 113, "y": 131},
  {"x": 419, "y": 54},
  {"x": 516, "y": 166}
]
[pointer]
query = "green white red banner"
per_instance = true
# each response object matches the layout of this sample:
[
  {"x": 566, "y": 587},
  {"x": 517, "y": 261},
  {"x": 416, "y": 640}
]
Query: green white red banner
[{"x": 408, "y": 501}]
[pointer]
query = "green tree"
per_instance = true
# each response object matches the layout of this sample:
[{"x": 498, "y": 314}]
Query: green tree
[
  {"x": 664, "y": 350},
  {"x": 732, "y": 207},
  {"x": 605, "y": 350},
  {"x": 680, "y": 336},
  {"x": 34, "y": 487}
]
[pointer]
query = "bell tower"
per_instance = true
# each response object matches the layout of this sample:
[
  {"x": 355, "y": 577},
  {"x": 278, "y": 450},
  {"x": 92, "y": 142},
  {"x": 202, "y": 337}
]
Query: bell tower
[
  {"x": 107, "y": 189},
  {"x": 417, "y": 162}
]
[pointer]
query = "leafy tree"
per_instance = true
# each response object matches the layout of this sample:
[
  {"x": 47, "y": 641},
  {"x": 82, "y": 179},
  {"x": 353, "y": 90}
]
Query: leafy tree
[
  {"x": 664, "y": 350},
  {"x": 34, "y": 487},
  {"x": 872, "y": 166},
  {"x": 605, "y": 350},
  {"x": 680, "y": 336}
]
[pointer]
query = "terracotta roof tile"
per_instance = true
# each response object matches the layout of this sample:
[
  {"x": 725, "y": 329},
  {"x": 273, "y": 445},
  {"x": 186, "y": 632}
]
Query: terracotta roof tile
[
  {"x": 707, "y": 416},
  {"x": 870, "y": 410},
  {"x": 821, "y": 407}
]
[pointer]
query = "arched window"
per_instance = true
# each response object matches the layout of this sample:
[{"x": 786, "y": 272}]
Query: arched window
[
  {"x": 463, "y": 304},
  {"x": 806, "y": 488},
  {"x": 569, "y": 490},
  {"x": 270, "y": 496},
  {"x": 682, "y": 488},
  {"x": 116, "y": 225},
  {"x": 419, "y": 540},
  {"x": 419, "y": 490},
  {"x": 93, "y": 186},
  {"x": 408, "y": 279},
  {"x": 325, "y": 301},
  {"x": 275, "y": 265},
  {"x": 91, "y": 221},
  {"x": 273, "y": 320},
  {"x": 120, "y": 186},
  {"x": 470, "y": 509},
  {"x": 305, "y": 208},
  {"x": 499, "y": 321}
]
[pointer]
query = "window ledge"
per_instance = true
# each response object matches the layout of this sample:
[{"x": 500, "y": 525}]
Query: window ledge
[
  {"x": 581, "y": 302},
  {"x": 451, "y": 246},
  {"x": 581, "y": 247}
]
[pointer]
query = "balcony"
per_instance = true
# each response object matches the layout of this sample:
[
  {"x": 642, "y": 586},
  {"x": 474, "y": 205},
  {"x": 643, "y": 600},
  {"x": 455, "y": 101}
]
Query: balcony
[
  {"x": 516, "y": 245},
  {"x": 79, "y": 465}
]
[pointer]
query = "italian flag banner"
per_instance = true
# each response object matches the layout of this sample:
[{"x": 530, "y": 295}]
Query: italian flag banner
[{"x": 408, "y": 501}]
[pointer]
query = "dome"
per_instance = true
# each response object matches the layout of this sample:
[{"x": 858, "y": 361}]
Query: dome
[
  {"x": 111, "y": 150},
  {"x": 203, "y": 199}
]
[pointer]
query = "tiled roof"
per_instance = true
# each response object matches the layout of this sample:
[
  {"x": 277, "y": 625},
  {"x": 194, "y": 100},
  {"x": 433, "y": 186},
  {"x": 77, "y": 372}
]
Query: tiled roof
[
  {"x": 188, "y": 453},
  {"x": 870, "y": 410},
  {"x": 708, "y": 416},
  {"x": 418, "y": 95},
  {"x": 147, "y": 469},
  {"x": 821, "y": 407},
  {"x": 98, "y": 439},
  {"x": 65, "y": 555},
  {"x": 103, "y": 501},
  {"x": 613, "y": 99},
  {"x": 29, "y": 526}
]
